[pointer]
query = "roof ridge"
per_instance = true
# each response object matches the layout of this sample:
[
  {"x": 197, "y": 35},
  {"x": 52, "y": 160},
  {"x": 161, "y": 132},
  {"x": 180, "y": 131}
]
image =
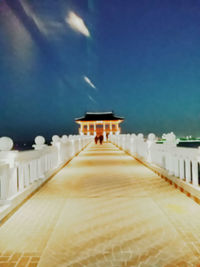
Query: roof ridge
[{"x": 104, "y": 112}]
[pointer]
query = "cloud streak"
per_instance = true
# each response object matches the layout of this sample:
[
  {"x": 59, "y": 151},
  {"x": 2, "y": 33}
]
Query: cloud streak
[
  {"x": 92, "y": 99},
  {"x": 88, "y": 81},
  {"x": 77, "y": 24}
]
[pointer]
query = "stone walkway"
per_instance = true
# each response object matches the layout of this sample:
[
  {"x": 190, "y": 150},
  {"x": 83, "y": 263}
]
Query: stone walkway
[{"x": 103, "y": 209}]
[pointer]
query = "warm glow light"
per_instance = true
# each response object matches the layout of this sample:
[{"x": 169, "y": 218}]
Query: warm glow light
[
  {"x": 77, "y": 24},
  {"x": 90, "y": 128}
]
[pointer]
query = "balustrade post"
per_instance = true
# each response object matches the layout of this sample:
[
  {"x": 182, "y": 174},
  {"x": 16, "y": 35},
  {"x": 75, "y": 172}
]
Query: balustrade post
[
  {"x": 150, "y": 143},
  {"x": 21, "y": 177},
  {"x": 171, "y": 163},
  {"x": 188, "y": 170},
  {"x": 133, "y": 144},
  {"x": 195, "y": 181},
  {"x": 40, "y": 169},
  {"x": 4, "y": 173},
  {"x": 140, "y": 143},
  {"x": 176, "y": 166},
  {"x": 56, "y": 142},
  {"x": 181, "y": 166},
  {"x": 12, "y": 182},
  {"x": 26, "y": 174},
  {"x": 123, "y": 145}
]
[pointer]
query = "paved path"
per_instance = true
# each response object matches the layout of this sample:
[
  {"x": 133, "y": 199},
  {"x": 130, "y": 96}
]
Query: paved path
[{"x": 103, "y": 209}]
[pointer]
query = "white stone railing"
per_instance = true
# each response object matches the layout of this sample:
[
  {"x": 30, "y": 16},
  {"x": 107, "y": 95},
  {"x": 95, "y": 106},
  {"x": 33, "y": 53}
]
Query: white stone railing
[
  {"x": 180, "y": 162},
  {"x": 21, "y": 173}
]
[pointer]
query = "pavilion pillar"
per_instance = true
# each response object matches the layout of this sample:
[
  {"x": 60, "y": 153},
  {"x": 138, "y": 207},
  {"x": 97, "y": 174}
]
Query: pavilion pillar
[
  {"x": 95, "y": 133},
  {"x": 88, "y": 128},
  {"x": 117, "y": 128},
  {"x": 104, "y": 131},
  {"x": 81, "y": 128},
  {"x": 111, "y": 127}
]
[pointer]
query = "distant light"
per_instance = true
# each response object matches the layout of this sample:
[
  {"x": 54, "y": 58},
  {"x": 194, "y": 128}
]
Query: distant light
[
  {"x": 89, "y": 82},
  {"x": 77, "y": 24}
]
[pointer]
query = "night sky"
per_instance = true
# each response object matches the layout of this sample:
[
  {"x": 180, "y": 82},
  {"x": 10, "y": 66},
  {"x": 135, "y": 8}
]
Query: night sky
[{"x": 140, "y": 59}]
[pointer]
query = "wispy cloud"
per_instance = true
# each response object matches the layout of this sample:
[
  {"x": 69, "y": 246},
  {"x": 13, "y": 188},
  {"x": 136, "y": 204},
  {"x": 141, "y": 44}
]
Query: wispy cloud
[
  {"x": 77, "y": 24},
  {"x": 29, "y": 12},
  {"x": 89, "y": 82},
  {"x": 92, "y": 99},
  {"x": 24, "y": 51},
  {"x": 45, "y": 26}
]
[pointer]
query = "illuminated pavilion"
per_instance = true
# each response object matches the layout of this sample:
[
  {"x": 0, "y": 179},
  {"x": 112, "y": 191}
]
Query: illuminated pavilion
[{"x": 99, "y": 123}]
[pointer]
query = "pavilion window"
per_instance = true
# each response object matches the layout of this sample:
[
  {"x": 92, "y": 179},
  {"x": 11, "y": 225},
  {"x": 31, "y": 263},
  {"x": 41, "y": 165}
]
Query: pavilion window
[{"x": 99, "y": 126}]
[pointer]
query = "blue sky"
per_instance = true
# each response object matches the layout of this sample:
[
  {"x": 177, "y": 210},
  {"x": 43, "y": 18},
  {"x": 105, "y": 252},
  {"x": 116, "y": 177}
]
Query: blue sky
[{"x": 142, "y": 58}]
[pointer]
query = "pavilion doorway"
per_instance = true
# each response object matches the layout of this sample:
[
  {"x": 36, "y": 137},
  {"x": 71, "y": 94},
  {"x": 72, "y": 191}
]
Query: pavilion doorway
[{"x": 99, "y": 129}]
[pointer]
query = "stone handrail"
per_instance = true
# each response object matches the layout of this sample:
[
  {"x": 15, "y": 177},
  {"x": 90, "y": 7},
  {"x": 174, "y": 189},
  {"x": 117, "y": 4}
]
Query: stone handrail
[
  {"x": 23, "y": 172},
  {"x": 180, "y": 162}
]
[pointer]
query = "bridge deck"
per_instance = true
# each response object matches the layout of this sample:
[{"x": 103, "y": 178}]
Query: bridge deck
[{"x": 103, "y": 209}]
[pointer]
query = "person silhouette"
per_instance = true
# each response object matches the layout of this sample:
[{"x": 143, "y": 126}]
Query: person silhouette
[
  {"x": 101, "y": 139},
  {"x": 96, "y": 139}
]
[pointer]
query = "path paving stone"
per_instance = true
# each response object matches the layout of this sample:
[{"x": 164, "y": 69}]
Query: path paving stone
[{"x": 103, "y": 209}]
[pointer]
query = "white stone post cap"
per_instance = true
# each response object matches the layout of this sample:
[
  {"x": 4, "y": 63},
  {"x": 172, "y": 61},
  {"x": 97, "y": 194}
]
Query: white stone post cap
[
  {"x": 151, "y": 137},
  {"x": 39, "y": 140},
  {"x": 140, "y": 136},
  {"x": 6, "y": 143},
  {"x": 64, "y": 139},
  {"x": 55, "y": 138}
]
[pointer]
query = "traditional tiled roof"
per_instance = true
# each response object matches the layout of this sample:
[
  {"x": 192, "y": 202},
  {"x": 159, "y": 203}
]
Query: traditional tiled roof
[{"x": 99, "y": 116}]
